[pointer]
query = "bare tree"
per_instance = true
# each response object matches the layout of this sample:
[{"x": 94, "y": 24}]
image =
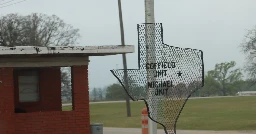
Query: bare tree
[
  {"x": 100, "y": 93},
  {"x": 36, "y": 30},
  {"x": 66, "y": 91},
  {"x": 248, "y": 45},
  {"x": 95, "y": 94}
]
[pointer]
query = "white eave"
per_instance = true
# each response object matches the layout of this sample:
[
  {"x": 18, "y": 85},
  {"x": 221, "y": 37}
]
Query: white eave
[
  {"x": 88, "y": 50},
  {"x": 31, "y": 56}
]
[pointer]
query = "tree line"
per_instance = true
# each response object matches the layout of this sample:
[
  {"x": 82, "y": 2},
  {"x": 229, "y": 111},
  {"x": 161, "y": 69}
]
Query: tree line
[{"x": 224, "y": 80}]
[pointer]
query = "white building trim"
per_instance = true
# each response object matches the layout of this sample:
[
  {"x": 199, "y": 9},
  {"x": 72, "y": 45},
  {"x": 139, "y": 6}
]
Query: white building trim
[
  {"x": 30, "y": 56},
  {"x": 108, "y": 50}
]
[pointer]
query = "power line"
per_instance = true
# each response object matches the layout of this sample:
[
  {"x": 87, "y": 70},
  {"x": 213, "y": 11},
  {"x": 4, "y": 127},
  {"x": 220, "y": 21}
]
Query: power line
[
  {"x": 6, "y": 2},
  {"x": 11, "y": 4}
]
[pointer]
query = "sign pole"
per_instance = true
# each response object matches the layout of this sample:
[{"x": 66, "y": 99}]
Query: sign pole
[{"x": 150, "y": 42}]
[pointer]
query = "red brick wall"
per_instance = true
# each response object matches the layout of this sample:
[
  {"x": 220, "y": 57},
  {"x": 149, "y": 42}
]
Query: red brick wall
[
  {"x": 48, "y": 122},
  {"x": 50, "y": 86},
  {"x": 6, "y": 101},
  {"x": 80, "y": 93},
  {"x": 53, "y": 122}
]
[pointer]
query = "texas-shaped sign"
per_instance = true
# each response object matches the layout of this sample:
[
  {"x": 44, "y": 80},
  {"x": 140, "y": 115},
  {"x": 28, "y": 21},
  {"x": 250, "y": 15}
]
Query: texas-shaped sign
[{"x": 166, "y": 77}]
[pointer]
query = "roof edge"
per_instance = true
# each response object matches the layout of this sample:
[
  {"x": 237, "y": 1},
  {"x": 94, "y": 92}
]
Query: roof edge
[{"x": 106, "y": 49}]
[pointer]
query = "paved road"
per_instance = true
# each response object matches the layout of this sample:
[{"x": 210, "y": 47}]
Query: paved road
[
  {"x": 69, "y": 104},
  {"x": 109, "y": 130}
]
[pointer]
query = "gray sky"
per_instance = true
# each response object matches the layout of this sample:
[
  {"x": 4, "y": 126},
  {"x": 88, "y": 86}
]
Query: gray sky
[{"x": 216, "y": 27}]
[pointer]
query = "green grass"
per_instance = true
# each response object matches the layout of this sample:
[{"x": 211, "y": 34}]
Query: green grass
[{"x": 235, "y": 113}]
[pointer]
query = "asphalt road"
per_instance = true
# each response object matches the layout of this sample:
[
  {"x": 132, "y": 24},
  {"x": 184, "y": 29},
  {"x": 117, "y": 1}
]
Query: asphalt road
[
  {"x": 108, "y": 130},
  {"x": 69, "y": 104}
]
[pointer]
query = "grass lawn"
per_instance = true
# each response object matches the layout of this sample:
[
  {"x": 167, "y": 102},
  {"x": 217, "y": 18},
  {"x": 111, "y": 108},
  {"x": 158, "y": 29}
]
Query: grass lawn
[{"x": 234, "y": 113}]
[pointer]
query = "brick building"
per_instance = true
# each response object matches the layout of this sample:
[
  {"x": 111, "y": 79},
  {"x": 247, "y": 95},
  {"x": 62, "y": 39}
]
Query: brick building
[{"x": 30, "y": 79}]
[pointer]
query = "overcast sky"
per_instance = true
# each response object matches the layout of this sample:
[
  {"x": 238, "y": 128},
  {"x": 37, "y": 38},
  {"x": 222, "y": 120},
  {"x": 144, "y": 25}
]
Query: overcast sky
[{"x": 216, "y": 27}]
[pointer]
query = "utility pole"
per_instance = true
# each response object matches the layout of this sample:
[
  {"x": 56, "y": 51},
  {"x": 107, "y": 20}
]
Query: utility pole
[
  {"x": 151, "y": 58},
  {"x": 128, "y": 107}
]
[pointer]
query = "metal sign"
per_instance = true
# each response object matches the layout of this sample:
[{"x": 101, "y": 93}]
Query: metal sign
[{"x": 165, "y": 84}]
